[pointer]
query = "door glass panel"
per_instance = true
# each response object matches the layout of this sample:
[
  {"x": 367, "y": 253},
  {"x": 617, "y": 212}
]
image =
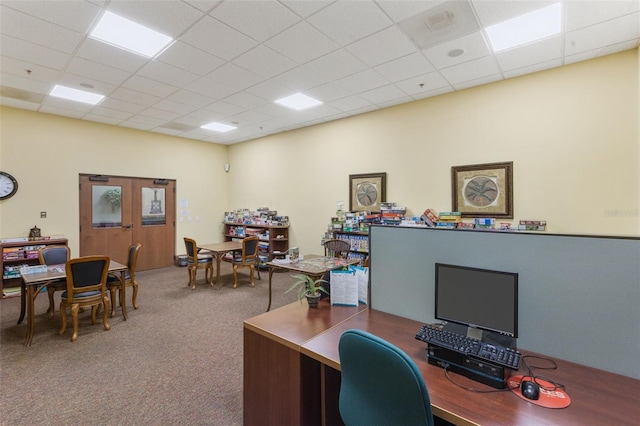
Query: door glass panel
[
  {"x": 153, "y": 206},
  {"x": 106, "y": 206}
]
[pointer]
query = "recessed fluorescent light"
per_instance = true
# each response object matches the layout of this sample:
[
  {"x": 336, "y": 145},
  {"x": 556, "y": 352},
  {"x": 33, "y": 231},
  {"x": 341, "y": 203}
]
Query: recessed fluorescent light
[
  {"x": 76, "y": 95},
  {"x": 218, "y": 127},
  {"x": 527, "y": 28},
  {"x": 298, "y": 102},
  {"x": 128, "y": 35}
]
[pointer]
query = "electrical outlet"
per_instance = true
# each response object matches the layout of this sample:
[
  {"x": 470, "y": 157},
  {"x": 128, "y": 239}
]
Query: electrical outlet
[{"x": 43, "y": 215}]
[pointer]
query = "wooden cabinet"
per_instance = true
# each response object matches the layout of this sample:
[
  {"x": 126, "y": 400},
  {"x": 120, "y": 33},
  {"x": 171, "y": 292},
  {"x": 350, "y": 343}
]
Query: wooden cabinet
[
  {"x": 359, "y": 242},
  {"x": 274, "y": 239},
  {"x": 17, "y": 254}
]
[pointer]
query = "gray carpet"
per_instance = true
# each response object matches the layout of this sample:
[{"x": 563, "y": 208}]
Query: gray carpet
[{"x": 177, "y": 360}]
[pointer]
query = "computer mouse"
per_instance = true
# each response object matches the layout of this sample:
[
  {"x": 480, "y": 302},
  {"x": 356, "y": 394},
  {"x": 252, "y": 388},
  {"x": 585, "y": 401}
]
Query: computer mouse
[{"x": 530, "y": 389}]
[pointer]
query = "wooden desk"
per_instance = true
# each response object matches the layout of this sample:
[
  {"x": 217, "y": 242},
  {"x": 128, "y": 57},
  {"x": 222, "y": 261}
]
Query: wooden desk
[
  {"x": 218, "y": 250},
  {"x": 313, "y": 265},
  {"x": 33, "y": 283},
  {"x": 280, "y": 386},
  {"x": 598, "y": 397}
]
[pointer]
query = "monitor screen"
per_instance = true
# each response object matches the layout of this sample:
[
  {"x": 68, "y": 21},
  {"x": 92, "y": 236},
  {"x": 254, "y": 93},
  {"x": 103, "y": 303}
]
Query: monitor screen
[{"x": 477, "y": 298}]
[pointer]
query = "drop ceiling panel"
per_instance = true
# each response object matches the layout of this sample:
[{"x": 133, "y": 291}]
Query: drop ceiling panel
[{"x": 233, "y": 58}]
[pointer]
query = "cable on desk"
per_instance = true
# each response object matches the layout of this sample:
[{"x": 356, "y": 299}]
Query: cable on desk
[{"x": 552, "y": 366}]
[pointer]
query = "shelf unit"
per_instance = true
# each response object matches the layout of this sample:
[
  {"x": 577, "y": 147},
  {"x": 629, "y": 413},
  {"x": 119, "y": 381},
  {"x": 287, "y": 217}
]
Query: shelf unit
[
  {"x": 21, "y": 253},
  {"x": 359, "y": 242},
  {"x": 274, "y": 239}
]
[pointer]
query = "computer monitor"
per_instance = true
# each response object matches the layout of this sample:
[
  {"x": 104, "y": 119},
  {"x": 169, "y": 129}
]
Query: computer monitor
[{"x": 477, "y": 298}]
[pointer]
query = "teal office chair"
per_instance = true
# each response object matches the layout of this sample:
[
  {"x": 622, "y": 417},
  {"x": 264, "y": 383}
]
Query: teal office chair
[{"x": 380, "y": 384}]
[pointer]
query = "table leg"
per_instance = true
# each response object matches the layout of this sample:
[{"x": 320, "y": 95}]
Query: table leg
[
  {"x": 271, "y": 269},
  {"x": 31, "y": 295},
  {"x": 123, "y": 294},
  {"x": 23, "y": 301},
  {"x": 219, "y": 256}
]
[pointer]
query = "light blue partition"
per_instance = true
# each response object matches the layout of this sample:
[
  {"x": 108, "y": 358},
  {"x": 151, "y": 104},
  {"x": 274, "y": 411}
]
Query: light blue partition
[{"x": 579, "y": 296}]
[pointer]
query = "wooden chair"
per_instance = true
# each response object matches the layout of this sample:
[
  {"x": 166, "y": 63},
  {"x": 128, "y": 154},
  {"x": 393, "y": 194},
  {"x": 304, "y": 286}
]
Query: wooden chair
[
  {"x": 86, "y": 286},
  {"x": 247, "y": 258},
  {"x": 337, "y": 248},
  {"x": 54, "y": 255},
  {"x": 114, "y": 283},
  {"x": 197, "y": 261}
]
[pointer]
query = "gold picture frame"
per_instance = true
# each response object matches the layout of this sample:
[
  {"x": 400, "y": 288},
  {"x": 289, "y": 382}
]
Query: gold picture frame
[
  {"x": 483, "y": 190},
  {"x": 367, "y": 191}
]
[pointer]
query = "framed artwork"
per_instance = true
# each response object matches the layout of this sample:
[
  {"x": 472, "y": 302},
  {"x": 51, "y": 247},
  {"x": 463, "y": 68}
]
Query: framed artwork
[
  {"x": 483, "y": 190},
  {"x": 367, "y": 191}
]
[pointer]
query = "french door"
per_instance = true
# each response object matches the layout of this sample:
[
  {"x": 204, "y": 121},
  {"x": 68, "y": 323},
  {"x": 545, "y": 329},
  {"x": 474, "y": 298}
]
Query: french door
[{"x": 118, "y": 211}]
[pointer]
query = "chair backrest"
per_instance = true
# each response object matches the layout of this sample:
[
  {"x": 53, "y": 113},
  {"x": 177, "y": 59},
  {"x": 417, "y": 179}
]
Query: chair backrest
[
  {"x": 250, "y": 248},
  {"x": 380, "y": 384},
  {"x": 85, "y": 274},
  {"x": 132, "y": 259},
  {"x": 192, "y": 248},
  {"x": 54, "y": 255},
  {"x": 337, "y": 248}
]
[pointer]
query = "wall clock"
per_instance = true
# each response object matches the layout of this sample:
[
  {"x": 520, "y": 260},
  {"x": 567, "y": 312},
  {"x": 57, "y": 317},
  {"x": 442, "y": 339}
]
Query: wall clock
[{"x": 8, "y": 186}]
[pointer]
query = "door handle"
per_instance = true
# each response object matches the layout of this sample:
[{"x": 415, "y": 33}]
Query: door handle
[{"x": 129, "y": 226}]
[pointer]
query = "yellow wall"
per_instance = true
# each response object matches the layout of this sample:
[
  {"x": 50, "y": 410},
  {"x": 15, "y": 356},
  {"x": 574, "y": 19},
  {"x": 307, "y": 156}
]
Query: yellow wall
[
  {"x": 571, "y": 132},
  {"x": 46, "y": 153}
]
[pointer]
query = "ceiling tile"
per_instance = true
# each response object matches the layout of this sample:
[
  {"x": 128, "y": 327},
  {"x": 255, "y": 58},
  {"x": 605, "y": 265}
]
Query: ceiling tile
[
  {"x": 348, "y": 21},
  {"x": 383, "y": 46},
  {"x": 74, "y": 15},
  {"x": 302, "y": 43},
  {"x": 405, "y": 67},
  {"x": 604, "y": 34},
  {"x": 542, "y": 51},
  {"x": 37, "y": 31},
  {"x": 471, "y": 70},
  {"x": 259, "y": 20},
  {"x": 189, "y": 58},
  {"x": 216, "y": 38},
  {"x": 271, "y": 62},
  {"x": 29, "y": 52},
  {"x": 472, "y": 45}
]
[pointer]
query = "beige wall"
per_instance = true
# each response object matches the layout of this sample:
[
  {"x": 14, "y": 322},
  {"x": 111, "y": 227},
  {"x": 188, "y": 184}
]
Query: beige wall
[
  {"x": 572, "y": 133},
  {"x": 46, "y": 153}
]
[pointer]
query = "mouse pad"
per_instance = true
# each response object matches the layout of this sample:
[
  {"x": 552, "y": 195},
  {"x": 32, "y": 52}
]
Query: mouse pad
[{"x": 548, "y": 398}]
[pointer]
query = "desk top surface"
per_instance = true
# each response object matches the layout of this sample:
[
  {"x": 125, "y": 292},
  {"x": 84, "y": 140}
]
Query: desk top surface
[
  {"x": 597, "y": 396},
  {"x": 223, "y": 246},
  {"x": 55, "y": 272},
  {"x": 314, "y": 264}
]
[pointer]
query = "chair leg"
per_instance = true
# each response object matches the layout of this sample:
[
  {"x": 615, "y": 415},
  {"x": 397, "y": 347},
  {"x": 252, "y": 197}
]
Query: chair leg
[
  {"x": 134, "y": 298},
  {"x": 74, "y": 320},
  {"x": 105, "y": 322},
  {"x": 112, "y": 293},
  {"x": 235, "y": 276},
  {"x": 63, "y": 318},
  {"x": 251, "y": 270},
  {"x": 52, "y": 306}
]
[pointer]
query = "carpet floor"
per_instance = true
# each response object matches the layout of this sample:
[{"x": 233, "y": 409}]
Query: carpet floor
[{"x": 177, "y": 360}]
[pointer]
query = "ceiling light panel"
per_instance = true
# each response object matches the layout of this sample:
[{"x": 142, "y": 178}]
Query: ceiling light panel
[
  {"x": 125, "y": 34},
  {"x": 525, "y": 29},
  {"x": 76, "y": 95},
  {"x": 218, "y": 127},
  {"x": 298, "y": 102}
]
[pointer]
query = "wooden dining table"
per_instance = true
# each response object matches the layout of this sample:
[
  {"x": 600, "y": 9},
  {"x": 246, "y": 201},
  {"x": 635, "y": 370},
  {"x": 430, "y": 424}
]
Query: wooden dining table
[
  {"x": 219, "y": 250},
  {"x": 33, "y": 283}
]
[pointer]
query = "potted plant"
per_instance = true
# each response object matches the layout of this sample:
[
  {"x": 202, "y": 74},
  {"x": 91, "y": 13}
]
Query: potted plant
[{"x": 308, "y": 288}]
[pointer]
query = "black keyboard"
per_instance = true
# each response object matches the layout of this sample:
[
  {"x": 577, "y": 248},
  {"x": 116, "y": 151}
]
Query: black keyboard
[{"x": 501, "y": 355}]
